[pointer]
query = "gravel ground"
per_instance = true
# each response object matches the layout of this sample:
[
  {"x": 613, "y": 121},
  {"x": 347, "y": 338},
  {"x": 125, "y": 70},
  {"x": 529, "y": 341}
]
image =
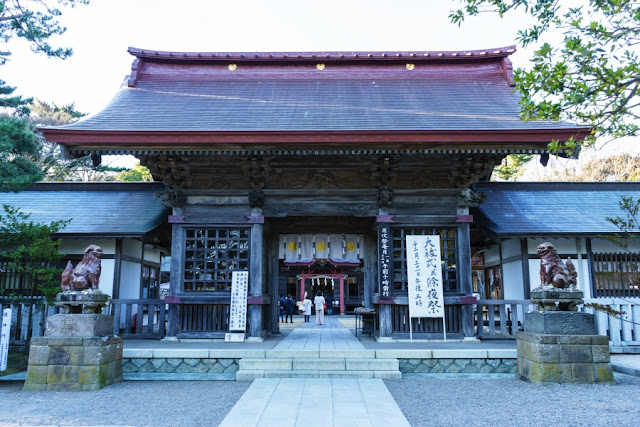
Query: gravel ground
[
  {"x": 132, "y": 403},
  {"x": 507, "y": 402}
]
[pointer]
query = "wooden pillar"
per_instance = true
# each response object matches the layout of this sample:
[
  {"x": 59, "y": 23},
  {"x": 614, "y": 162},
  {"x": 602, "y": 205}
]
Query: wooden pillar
[
  {"x": 256, "y": 274},
  {"x": 463, "y": 246},
  {"x": 386, "y": 320},
  {"x": 178, "y": 237},
  {"x": 370, "y": 268},
  {"x": 302, "y": 289},
  {"x": 140, "y": 293},
  {"x": 341, "y": 294},
  {"x": 117, "y": 269},
  {"x": 272, "y": 278},
  {"x": 526, "y": 277},
  {"x": 383, "y": 230},
  {"x": 591, "y": 268}
]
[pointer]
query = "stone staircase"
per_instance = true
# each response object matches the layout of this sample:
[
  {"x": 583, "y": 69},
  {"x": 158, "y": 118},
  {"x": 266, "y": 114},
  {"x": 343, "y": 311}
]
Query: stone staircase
[{"x": 338, "y": 364}]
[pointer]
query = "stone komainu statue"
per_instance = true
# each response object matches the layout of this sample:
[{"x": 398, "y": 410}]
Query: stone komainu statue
[
  {"x": 553, "y": 271},
  {"x": 86, "y": 275}
]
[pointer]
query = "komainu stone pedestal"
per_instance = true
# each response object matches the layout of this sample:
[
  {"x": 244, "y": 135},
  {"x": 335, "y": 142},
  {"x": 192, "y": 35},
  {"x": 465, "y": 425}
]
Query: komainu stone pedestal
[
  {"x": 562, "y": 347},
  {"x": 78, "y": 352}
]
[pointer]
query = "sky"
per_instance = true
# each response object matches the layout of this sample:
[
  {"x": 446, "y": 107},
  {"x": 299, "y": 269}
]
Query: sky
[{"x": 101, "y": 32}]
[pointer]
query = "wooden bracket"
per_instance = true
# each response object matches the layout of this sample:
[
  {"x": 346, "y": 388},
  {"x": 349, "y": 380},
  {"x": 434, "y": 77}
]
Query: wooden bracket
[
  {"x": 176, "y": 219},
  {"x": 257, "y": 219},
  {"x": 384, "y": 219}
]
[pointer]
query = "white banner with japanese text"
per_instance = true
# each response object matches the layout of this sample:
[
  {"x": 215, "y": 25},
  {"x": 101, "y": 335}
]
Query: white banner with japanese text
[
  {"x": 4, "y": 338},
  {"x": 238, "y": 308},
  {"x": 424, "y": 276}
]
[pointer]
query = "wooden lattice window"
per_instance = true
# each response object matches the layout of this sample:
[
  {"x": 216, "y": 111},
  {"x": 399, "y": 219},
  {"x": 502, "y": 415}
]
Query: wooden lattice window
[
  {"x": 211, "y": 255},
  {"x": 447, "y": 252},
  {"x": 616, "y": 274}
]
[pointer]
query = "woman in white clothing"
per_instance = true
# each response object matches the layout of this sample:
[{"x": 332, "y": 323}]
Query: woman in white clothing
[
  {"x": 319, "y": 303},
  {"x": 306, "y": 307}
]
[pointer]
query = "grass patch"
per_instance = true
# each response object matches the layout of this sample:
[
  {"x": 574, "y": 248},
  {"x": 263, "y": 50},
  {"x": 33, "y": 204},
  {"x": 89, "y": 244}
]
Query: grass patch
[{"x": 17, "y": 362}]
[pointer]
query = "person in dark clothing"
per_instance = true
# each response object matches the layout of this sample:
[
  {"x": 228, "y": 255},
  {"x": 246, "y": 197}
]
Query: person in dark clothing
[
  {"x": 329, "y": 300},
  {"x": 281, "y": 302},
  {"x": 289, "y": 306}
]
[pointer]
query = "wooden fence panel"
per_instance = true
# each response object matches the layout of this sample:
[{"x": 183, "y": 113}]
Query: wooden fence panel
[
  {"x": 622, "y": 330},
  {"x": 147, "y": 322},
  {"x": 500, "y": 319},
  {"x": 20, "y": 312}
]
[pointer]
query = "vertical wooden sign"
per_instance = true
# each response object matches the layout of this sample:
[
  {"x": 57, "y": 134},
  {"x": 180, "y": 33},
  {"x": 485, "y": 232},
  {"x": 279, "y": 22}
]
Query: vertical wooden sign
[
  {"x": 385, "y": 265},
  {"x": 4, "y": 338},
  {"x": 424, "y": 278}
]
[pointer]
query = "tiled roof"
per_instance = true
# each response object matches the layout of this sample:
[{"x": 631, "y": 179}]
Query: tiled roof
[
  {"x": 550, "y": 208},
  {"x": 280, "y": 105},
  {"x": 95, "y": 209},
  {"x": 288, "y": 92}
]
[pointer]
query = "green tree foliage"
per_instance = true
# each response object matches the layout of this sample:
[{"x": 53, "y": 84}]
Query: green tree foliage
[
  {"x": 34, "y": 21},
  {"x": 31, "y": 250},
  {"x": 8, "y": 101},
  {"x": 591, "y": 75},
  {"x": 138, "y": 173},
  {"x": 511, "y": 167},
  {"x": 628, "y": 224},
  {"x": 19, "y": 146}
]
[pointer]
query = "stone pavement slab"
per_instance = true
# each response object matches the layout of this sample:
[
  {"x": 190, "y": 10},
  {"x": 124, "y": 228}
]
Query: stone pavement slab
[
  {"x": 316, "y": 402},
  {"x": 330, "y": 337}
]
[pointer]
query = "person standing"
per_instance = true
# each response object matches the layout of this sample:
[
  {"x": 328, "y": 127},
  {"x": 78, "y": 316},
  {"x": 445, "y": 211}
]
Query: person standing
[
  {"x": 319, "y": 302},
  {"x": 330, "y": 303},
  {"x": 306, "y": 308},
  {"x": 281, "y": 306},
  {"x": 289, "y": 306}
]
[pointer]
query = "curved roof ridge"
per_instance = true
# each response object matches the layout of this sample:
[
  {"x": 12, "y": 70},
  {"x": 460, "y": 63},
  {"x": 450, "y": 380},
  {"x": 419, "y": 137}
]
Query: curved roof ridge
[{"x": 433, "y": 55}]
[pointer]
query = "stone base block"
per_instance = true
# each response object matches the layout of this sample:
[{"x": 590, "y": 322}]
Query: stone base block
[
  {"x": 79, "y": 325},
  {"x": 73, "y": 363},
  {"x": 549, "y": 358},
  {"x": 560, "y": 322}
]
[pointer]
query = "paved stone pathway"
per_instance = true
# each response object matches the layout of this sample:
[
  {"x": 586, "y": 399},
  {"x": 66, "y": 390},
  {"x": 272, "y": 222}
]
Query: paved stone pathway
[
  {"x": 330, "y": 336},
  {"x": 311, "y": 402}
]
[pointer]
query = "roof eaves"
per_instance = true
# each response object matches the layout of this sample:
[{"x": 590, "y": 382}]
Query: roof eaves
[{"x": 70, "y": 136}]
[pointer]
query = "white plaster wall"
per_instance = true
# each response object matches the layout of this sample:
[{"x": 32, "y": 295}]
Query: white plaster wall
[
  {"x": 151, "y": 254},
  {"x": 77, "y": 246},
  {"x": 512, "y": 280},
  {"x": 602, "y": 245},
  {"x": 130, "y": 280},
  {"x": 492, "y": 255},
  {"x": 106, "y": 276},
  {"x": 132, "y": 247},
  {"x": 510, "y": 248},
  {"x": 563, "y": 246}
]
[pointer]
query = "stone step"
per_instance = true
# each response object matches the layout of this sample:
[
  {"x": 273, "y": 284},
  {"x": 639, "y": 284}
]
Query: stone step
[
  {"x": 319, "y": 364},
  {"x": 347, "y": 354},
  {"x": 252, "y": 374}
]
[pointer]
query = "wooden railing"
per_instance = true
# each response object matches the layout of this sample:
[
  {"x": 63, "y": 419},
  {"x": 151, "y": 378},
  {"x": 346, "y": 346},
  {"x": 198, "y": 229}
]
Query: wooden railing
[
  {"x": 500, "y": 319},
  {"x": 20, "y": 333},
  {"x": 624, "y": 330},
  {"x": 139, "y": 318}
]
